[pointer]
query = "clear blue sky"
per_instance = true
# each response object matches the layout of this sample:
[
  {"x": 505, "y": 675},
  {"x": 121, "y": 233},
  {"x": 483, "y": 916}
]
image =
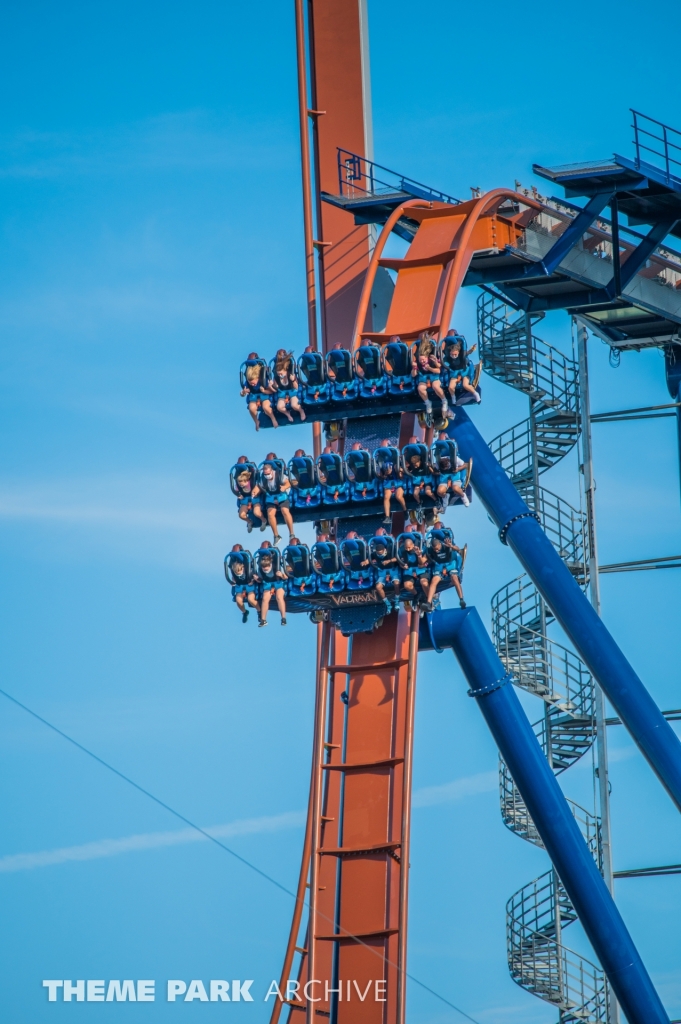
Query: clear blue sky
[{"x": 151, "y": 230}]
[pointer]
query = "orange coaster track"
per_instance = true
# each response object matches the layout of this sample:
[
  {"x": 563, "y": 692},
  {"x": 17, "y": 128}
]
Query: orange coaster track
[{"x": 356, "y": 850}]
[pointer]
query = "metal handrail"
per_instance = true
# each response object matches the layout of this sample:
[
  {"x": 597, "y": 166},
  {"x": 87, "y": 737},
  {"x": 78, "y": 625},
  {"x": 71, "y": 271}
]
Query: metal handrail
[
  {"x": 539, "y": 961},
  {"x": 354, "y": 169},
  {"x": 517, "y": 818},
  {"x": 565, "y": 527},
  {"x": 547, "y": 669},
  {"x": 664, "y": 138},
  {"x": 511, "y": 352},
  {"x": 538, "y": 369}
]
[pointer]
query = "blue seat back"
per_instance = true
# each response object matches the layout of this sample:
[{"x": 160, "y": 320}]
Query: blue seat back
[
  {"x": 443, "y": 455},
  {"x": 325, "y": 558},
  {"x": 450, "y": 362},
  {"x": 413, "y": 452},
  {"x": 397, "y": 365},
  {"x": 354, "y": 551},
  {"x": 368, "y": 358},
  {"x": 263, "y": 553},
  {"x": 402, "y": 541},
  {"x": 264, "y": 374},
  {"x": 312, "y": 369},
  {"x": 339, "y": 361},
  {"x": 386, "y": 541},
  {"x": 244, "y": 558},
  {"x": 384, "y": 458},
  {"x": 330, "y": 469},
  {"x": 312, "y": 377},
  {"x": 236, "y": 471},
  {"x": 359, "y": 466},
  {"x": 302, "y": 469},
  {"x": 297, "y": 560}
]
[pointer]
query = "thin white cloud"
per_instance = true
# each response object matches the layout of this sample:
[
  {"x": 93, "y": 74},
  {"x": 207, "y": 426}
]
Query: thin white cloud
[
  {"x": 190, "y": 140},
  {"x": 470, "y": 785},
  {"x": 169, "y": 520},
  {"x": 92, "y": 310},
  {"x": 148, "y": 841},
  {"x": 426, "y": 797}
]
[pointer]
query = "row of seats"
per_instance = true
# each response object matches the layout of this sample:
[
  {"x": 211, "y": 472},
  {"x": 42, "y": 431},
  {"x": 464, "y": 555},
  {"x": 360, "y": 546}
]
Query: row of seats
[
  {"x": 430, "y": 367},
  {"x": 358, "y": 477},
  {"x": 409, "y": 564}
]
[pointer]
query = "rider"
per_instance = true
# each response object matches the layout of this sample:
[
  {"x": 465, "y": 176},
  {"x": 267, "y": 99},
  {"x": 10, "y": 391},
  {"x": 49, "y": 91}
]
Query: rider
[
  {"x": 331, "y": 474},
  {"x": 447, "y": 562},
  {"x": 354, "y": 554},
  {"x": 286, "y": 384},
  {"x": 428, "y": 370},
  {"x": 326, "y": 563},
  {"x": 256, "y": 389},
  {"x": 372, "y": 382},
  {"x": 248, "y": 502},
  {"x": 451, "y": 477},
  {"x": 272, "y": 581},
  {"x": 276, "y": 487},
  {"x": 359, "y": 470},
  {"x": 416, "y": 465},
  {"x": 389, "y": 470},
  {"x": 459, "y": 366},
  {"x": 244, "y": 588},
  {"x": 297, "y": 565},
  {"x": 302, "y": 474},
  {"x": 414, "y": 564},
  {"x": 382, "y": 549}
]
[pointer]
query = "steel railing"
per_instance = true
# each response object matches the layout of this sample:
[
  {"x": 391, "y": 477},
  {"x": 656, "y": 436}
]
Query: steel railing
[
  {"x": 659, "y": 140},
  {"x": 537, "y": 913},
  {"x": 529, "y": 365},
  {"x": 540, "y": 962},
  {"x": 359, "y": 177},
  {"x": 517, "y": 818}
]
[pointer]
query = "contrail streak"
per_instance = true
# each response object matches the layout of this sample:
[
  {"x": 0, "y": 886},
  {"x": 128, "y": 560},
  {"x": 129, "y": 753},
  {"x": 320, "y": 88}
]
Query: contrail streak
[{"x": 429, "y": 796}]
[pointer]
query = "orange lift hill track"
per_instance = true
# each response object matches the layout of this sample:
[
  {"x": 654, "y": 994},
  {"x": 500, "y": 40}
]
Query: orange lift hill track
[{"x": 356, "y": 848}]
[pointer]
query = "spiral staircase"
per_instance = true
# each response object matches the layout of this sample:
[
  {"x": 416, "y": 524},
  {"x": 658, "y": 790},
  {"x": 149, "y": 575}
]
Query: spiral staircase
[{"x": 539, "y": 912}]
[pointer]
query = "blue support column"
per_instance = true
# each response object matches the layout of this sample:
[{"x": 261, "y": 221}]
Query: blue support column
[
  {"x": 520, "y": 529},
  {"x": 464, "y": 632},
  {"x": 677, "y": 398},
  {"x": 672, "y": 359}
]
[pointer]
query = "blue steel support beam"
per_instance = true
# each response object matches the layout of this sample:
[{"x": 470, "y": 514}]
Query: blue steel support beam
[
  {"x": 464, "y": 632},
  {"x": 672, "y": 360},
  {"x": 637, "y": 258},
  {"x": 561, "y": 300},
  {"x": 678, "y": 428},
  {"x": 575, "y": 230},
  {"x": 519, "y": 527}
]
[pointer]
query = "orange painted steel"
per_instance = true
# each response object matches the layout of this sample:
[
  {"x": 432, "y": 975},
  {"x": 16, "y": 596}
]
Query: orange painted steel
[
  {"x": 360, "y": 865},
  {"x": 357, "y": 868},
  {"x": 406, "y": 817},
  {"x": 339, "y": 88},
  {"x": 308, "y": 227},
  {"x": 431, "y": 273},
  {"x": 356, "y": 848},
  {"x": 359, "y": 818},
  {"x": 317, "y": 797},
  {"x": 292, "y": 947},
  {"x": 375, "y": 262}
]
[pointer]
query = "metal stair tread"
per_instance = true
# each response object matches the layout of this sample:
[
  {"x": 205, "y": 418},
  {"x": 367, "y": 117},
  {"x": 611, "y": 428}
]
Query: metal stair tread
[{"x": 515, "y": 356}]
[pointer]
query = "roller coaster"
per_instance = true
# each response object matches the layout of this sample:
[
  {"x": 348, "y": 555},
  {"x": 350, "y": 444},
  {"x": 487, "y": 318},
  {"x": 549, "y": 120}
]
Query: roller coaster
[{"x": 394, "y": 449}]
